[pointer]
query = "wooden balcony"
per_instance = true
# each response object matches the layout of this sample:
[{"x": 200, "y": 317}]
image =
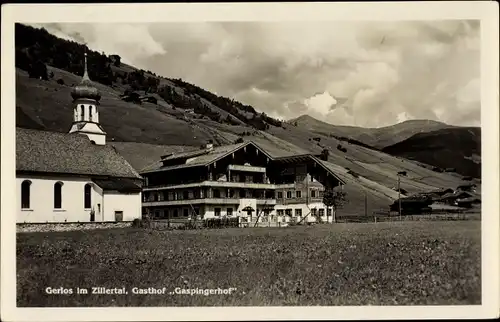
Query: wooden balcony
[
  {"x": 302, "y": 200},
  {"x": 208, "y": 201},
  {"x": 246, "y": 168},
  {"x": 214, "y": 184}
]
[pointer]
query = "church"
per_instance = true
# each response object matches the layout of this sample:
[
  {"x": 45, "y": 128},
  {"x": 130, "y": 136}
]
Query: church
[{"x": 75, "y": 177}]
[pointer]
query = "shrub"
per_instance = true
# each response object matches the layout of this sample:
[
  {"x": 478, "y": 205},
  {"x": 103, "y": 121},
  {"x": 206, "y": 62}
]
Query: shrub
[{"x": 141, "y": 223}]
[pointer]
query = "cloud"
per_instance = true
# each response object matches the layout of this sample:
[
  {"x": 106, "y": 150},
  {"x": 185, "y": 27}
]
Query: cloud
[{"x": 356, "y": 73}]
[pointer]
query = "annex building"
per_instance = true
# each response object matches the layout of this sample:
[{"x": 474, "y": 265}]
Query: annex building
[
  {"x": 75, "y": 176},
  {"x": 239, "y": 180}
]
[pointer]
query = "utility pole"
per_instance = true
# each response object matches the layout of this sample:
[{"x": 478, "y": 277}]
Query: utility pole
[
  {"x": 399, "y": 196},
  {"x": 366, "y": 205}
]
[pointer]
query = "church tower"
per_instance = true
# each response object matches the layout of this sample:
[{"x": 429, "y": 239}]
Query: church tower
[{"x": 86, "y": 113}]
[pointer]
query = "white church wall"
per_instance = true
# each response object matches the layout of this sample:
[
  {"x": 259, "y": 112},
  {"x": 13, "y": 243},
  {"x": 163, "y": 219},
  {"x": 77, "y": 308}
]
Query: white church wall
[
  {"x": 41, "y": 208},
  {"x": 129, "y": 204}
]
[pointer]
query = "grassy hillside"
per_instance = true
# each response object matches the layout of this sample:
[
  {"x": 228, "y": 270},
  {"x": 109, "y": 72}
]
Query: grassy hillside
[
  {"x": 458, "y": 148},
  {"x": 143, "y": 131},
  {"x": 376, "y": 137}
]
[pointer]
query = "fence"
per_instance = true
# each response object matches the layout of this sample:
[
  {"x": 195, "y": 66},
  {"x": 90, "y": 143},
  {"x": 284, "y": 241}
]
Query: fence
[{"x": 423, "y": 217}]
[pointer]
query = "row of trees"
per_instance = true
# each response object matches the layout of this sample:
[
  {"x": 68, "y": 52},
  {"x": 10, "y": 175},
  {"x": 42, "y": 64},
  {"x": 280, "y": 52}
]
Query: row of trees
[
  {"x": 34, "y": 47},
  {"x": 170, "y": 95},
  {"x": 258, "y": 120}
]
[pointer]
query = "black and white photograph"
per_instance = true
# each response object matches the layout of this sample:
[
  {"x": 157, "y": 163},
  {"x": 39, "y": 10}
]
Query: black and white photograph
[{"x": 250, "y": 159}]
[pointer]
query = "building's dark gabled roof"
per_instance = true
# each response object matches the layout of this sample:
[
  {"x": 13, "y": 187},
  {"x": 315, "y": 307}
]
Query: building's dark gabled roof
[
  {"x": 205, "y": 158},
  {"x": 118, "y": 184},
  {"x": 64, "y": 153},
  {"x": 195, "y": 158}
]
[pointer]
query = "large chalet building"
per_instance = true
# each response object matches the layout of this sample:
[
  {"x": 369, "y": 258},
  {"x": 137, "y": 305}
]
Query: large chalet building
[{"x": 239, "y": 180}]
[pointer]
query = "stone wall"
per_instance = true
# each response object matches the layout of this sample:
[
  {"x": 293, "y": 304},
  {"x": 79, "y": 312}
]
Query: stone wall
[{"x": 27, "y": 228}]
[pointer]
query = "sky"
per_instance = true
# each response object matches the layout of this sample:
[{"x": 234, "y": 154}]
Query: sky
[{"x": 368, "y": 74}]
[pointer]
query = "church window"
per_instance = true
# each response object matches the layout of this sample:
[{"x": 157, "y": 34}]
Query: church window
[
  {"x": 90, "y": 113},
  {"x": 87, "y": 199},
  {"x": 25, "y": 194},
  {"x": 82, "y": 112},
  {"x": 58, "y": 195}
]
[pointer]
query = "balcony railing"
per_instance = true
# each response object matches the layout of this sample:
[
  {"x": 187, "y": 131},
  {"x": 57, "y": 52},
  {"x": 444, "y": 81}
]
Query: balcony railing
[
  {"x": 212, "y": 201},
  {"x": 247, "y": 168},
  {"x": 216, "y": 184},
  {"x": 291, "y": 201}
]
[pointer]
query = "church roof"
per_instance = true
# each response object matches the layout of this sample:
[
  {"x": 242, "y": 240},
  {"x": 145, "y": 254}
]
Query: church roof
[{"x": 65, "y": 153}]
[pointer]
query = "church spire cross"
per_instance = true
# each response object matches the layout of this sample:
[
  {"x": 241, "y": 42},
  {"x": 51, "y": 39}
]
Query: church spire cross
[{"x": 85, "y": 72}]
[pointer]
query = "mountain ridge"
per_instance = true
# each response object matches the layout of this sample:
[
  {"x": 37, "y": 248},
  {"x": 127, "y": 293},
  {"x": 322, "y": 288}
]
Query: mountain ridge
[{"x": 377, "y": 137}]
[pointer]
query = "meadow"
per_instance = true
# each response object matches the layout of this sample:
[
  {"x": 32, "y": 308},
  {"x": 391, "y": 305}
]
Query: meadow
[{"x": 388, "y": 263}]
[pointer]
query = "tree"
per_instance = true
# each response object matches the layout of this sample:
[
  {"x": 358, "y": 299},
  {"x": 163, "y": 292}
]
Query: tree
[
  {"x": 324, "y": 154},
  {"x": 117, "y": 60},
  {"x": 334, "y": 198}
]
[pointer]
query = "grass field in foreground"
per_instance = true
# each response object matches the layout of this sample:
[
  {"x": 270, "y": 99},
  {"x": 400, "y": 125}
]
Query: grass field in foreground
[{"x": 405, "y": 263}]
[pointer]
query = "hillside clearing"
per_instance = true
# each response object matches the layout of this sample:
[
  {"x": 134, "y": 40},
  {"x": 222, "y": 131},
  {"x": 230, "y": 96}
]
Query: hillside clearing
[{"x": 405, "y": 263}]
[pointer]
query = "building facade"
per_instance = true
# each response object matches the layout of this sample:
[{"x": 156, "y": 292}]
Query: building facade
[
  {"x": 239, "y": 180},
  {"x": 75, "y": 176}
]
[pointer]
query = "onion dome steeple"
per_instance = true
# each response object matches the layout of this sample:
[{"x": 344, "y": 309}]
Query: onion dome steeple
[
  {"x": 86, "y": 111},
  {"x": 86, "y": 90}
]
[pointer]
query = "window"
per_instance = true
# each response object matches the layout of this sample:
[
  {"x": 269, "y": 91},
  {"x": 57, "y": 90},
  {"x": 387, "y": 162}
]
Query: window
[
  {"x": 58, "y": 195},
  {"x": 298, "y": 194},
  {"x": 321, "y": 194},
  {"x": 289, "y": 194},
  {"x": 118, "y": 216},
  {"x": 321, "y": 212},
  {"x": 185, "y": 195},
  {"x": 329, "y": 212},
  {"x": 313, "y": 212},
  {"x": 298, "y": 212},
  {"x": 313, "y": 193},
  {"x": 280, "y": 212},
  {"x": 82, "y": 112},
  {"x": 229, "y": 211},
  {"x": 90, "y": 113},
  {"x": 217, "y": 212},
  {"x": 280, "y": 195},
  {"x": 248, "y": 178},
  {"x": 25, "y": 194},
  {"x": 176, "y": 213},
  {"x": 88, "y": 197},
  {"x": 288, "y": 212},
  {"x": 216, "y": 193},
  {"x": 242, "y": 193},
  {"x": 186, "y": 212}
]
